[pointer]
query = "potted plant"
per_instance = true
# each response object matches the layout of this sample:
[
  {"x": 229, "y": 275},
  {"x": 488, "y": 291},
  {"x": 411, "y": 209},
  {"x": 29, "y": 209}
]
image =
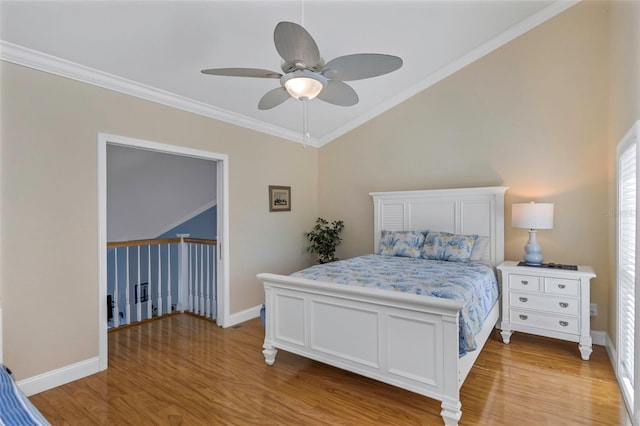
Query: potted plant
[{"x": 324, "y": 239}]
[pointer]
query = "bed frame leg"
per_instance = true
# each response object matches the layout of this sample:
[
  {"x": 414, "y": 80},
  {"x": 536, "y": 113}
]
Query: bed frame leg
[
  {"x": 269, "y": 353},
  {"x": 451, "y": 412}
]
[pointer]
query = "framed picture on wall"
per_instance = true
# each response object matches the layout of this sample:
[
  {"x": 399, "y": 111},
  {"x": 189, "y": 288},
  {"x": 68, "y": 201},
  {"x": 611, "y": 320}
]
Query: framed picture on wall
[{"x": 279, "y": 198}]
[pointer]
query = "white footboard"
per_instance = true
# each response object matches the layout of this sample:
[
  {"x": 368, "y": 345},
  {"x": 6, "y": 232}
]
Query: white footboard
[{"x": 405, "y": 340}]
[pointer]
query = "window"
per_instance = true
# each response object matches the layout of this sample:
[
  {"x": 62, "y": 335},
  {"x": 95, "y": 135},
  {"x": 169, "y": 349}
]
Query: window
[{"x": 627, "y": 349}]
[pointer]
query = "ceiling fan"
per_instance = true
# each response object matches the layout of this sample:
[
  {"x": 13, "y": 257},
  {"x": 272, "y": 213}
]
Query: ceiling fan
[{"x": 305, "y": 75}]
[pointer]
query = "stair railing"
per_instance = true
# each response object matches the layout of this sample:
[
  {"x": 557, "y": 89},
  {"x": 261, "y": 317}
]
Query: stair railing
[{"x": 155, "y": 277}]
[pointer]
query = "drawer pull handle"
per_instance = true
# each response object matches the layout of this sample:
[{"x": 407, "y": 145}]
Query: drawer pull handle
[
  {"x": 564, "y": 323},
  {"x": 561, "y": 286},
  {"x": 564, "y": 305},
  {"x": 524, "y": 282},
  {"x": 523, "y": 317},
  {"x": 523, "y": 299}
]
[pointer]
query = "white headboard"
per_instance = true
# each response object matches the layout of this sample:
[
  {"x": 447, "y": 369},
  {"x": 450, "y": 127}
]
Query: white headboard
[{"x": 459, "y": 211}]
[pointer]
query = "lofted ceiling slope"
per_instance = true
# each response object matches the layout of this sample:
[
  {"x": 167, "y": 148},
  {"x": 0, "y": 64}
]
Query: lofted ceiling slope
[{"x": 156, "y": 49}]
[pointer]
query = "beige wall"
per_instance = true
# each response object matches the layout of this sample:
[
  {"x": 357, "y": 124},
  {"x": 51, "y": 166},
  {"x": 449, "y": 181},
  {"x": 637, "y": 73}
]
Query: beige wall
[
  {"x": 624, "y": 107},
  {"x": 536, "y": 115},
  {"x": 532, "y": 115},
  {"x": 49, "y": 249}
]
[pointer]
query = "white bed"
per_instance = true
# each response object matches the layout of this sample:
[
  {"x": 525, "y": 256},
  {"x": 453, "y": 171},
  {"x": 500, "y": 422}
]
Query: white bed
[{"x": 318, "y": 320}]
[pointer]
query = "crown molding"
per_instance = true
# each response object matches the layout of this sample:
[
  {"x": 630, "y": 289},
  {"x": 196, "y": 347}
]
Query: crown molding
[
  {"x": 500, "y": 40},
  {"x": 40, "y": 61}
]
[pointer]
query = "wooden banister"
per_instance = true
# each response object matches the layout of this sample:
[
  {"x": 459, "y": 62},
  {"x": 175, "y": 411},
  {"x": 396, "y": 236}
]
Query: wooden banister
[
  {"x": 142, "y": 242},
  {"x": 160, "y": 241},
  {"x": 201, "y": 241}
]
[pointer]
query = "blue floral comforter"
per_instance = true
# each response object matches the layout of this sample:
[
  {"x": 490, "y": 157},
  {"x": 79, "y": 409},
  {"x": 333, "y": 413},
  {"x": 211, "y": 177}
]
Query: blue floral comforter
[{"x": 473, "y": 283}]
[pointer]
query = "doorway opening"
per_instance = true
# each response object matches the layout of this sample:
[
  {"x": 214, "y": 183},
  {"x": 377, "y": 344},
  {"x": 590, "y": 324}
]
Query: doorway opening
[{"x": 221, "y": 259}]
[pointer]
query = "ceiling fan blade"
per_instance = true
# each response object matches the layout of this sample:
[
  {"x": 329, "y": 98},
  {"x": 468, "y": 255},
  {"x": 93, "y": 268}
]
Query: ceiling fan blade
[
  {"x": 338, "y": 93},
  {"x": 360, "y": 66},
  {"x": 243, "y": 72},
  {"x": 295, "y": 44},
  {"x": 273, "y": 98}
]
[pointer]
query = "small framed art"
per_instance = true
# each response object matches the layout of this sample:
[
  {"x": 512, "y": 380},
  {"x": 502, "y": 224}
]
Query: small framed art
[{"x": 279, "y": 198}]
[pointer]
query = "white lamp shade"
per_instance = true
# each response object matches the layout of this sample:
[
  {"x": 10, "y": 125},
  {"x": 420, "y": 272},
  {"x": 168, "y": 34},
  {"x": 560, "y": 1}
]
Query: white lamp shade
[{"x": 532, "y": 215}]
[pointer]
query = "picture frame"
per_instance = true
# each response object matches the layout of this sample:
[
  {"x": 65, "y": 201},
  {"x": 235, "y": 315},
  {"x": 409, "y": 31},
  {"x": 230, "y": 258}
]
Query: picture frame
[{"x": 279, "y": 198}]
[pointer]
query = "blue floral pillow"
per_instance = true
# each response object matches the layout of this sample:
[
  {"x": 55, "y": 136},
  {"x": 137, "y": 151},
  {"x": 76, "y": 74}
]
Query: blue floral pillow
[
  {"x": 401, "y": 243},
  {"x": 449, "y": 247}
]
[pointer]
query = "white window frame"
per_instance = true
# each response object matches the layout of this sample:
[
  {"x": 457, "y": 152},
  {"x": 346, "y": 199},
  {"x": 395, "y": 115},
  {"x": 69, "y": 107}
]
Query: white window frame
[{"x": 627, "y": 379}]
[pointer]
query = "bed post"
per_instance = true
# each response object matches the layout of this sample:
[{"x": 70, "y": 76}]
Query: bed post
[
  {"x": 451, "y": 405},
  {"x": 451, "y": 412},
  {"x": 269, "y": 353},
  {"x": 268, "y": 350}
]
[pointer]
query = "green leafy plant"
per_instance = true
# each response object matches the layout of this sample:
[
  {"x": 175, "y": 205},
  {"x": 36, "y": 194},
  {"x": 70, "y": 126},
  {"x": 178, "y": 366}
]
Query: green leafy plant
[{"x": 324, "y": 239}]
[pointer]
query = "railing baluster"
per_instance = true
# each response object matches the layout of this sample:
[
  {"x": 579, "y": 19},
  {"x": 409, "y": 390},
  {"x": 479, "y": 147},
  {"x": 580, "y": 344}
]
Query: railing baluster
[
  {"x": 150, "y": 284},
  {"x": 201, "y": 279},
  {"x": 138, "y": 292},
  {"x": 159, "y": 282},
  {"x": 190, "y": 281},
  {"x": 201, "y": 291},
  {"x": 196, "y": 300},
  {"x": 169, "y": 307},
  {"x": 214, "y": 277},
  {"x": 194, "y": 277},
  {"x": 115, "y": 317},
  {"x": 208, "y": 302},
  {"x": 127, "y": 300}
]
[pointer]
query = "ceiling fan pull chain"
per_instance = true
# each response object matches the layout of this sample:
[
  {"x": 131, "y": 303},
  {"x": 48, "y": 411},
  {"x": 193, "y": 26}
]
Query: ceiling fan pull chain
[{"x": 305, "y": 122}]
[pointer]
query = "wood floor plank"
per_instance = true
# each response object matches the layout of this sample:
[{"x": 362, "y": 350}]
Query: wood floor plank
[{"x": 183, "y": 370}]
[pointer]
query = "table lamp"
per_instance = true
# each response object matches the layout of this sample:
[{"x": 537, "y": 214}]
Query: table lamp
[{"x": 532, "y": 216}]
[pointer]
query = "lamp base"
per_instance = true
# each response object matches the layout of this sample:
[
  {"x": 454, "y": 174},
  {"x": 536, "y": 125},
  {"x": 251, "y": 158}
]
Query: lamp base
[{"x": 533, "y": 251}]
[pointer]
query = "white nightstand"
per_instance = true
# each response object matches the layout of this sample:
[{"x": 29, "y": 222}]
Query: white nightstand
[{"x": 548, "y": 302}]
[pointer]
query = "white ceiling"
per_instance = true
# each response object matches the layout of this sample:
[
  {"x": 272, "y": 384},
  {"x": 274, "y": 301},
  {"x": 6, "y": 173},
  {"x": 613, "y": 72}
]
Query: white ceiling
[{"x": 156, "y": 49}]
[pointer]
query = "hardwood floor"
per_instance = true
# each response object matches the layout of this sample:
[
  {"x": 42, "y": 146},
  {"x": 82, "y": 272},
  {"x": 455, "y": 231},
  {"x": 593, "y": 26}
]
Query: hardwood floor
[{"x": 183, "y": 370}]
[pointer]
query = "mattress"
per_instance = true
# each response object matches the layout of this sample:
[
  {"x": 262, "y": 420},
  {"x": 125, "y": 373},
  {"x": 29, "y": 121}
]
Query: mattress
[{"x": 473, "y": 283}]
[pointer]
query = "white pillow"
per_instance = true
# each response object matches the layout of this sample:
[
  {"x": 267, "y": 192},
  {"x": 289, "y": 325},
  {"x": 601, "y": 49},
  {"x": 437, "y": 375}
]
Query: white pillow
[{"x": 481, "y": 251}]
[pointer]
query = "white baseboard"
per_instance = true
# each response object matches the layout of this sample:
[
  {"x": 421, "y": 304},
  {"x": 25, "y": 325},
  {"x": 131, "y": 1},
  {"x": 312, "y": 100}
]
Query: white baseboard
[
  {"x": 59, "y": 377},
  {"x": 599, "y": 337},
  {"x": 613, "y": 355},
  {"x": 242, "y": 316}
]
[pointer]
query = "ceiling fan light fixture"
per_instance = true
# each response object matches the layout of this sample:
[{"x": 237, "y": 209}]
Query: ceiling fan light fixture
[{"x": 303, "y": 84}]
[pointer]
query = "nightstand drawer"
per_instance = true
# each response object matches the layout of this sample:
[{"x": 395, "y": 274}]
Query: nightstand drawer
[
  {"x": 549, "y": 322},
  {"x": 525, "y": 282},
  {"x": 540, "y": 302},
  {"x": 562, "y": 286}
]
